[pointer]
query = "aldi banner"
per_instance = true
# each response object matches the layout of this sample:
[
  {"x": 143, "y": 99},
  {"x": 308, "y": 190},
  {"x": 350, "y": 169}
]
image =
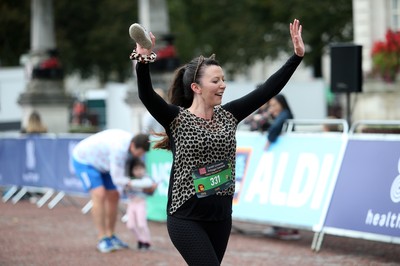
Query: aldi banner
[
  {"x": 291, "y": 183},
  {"x": 367, "y": 193}
]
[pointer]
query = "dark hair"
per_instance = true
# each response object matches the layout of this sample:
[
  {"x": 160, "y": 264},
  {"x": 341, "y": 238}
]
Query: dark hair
[
  {"x": 132, "y": 162},
  {"x": 280, "y": 98},
  {"x": 180, "y": 92},
  {"x": 141, "y": 141}
]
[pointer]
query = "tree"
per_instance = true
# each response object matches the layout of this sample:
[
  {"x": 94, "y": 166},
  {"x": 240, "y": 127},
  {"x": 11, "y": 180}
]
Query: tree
[
  {"x": 241, "y": 32},
  {"x": 325, "y": 22},
  {"x": 92, "y": 35},
  {"x": 14, "y": 31}
]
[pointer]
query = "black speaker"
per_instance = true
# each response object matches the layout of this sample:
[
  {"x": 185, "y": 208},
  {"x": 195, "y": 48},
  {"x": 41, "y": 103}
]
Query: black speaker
[{"x": 346, "y": 68}]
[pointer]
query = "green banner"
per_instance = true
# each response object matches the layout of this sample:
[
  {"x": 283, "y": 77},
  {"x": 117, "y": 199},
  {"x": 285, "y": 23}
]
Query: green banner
[{"x": 158, "y": 164}]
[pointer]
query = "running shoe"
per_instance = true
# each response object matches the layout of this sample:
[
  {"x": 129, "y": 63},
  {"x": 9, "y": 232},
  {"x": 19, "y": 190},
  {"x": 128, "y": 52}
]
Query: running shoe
[
  {"x": 118, "y": 243},
  {"x": 282, "y": 233},
  {"x": 288, "y": 234},
  {"x": 139, "y": 34},
  {"x": 105, "y": 245},
  {"x": 143, "y": 246}
]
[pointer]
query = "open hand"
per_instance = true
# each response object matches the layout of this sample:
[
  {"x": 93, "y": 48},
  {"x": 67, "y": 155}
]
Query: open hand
[{"x": 295, "y": 33}]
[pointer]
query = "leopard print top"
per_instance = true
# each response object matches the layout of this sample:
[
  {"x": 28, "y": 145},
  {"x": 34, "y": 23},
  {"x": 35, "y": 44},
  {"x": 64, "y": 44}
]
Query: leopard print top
[{"x": 199, "y": 142}]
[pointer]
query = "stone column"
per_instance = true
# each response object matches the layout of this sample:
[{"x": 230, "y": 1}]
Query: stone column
[
  {"x": 153, "y": 15},
  {"x": 45, "y": 90}
]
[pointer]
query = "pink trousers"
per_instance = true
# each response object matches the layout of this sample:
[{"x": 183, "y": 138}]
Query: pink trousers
[{"x": 137, "y": 219}]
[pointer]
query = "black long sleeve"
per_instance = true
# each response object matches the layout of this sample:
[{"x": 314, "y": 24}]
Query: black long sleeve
[
  {"x": 163, "y": 112},
  {"x": 244, "y": 106}
]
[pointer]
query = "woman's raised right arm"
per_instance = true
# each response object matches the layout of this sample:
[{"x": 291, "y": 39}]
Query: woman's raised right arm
[{"x": 163, "y": 112}]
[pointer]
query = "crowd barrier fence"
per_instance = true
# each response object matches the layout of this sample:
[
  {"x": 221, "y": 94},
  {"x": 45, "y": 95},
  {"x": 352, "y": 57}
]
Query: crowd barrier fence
[
  {"x": 341, "y": 183},
  {"x": 366, "y": 201}
]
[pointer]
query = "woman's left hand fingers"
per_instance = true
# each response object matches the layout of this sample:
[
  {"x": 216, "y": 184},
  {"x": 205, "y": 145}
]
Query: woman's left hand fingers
[{"x": 295, "y": 32}]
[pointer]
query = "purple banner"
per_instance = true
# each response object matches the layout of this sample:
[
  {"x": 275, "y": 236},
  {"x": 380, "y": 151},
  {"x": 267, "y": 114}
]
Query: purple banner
[
  {"x": 38, "y": 161},
  {"x": 11, "y": 164},
  {"x": 367, "y": 192},
  {"x": 67, "y": 181}
]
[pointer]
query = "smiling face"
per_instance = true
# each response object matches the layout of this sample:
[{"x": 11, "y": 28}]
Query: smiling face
[{"x": 212, "y": 85}]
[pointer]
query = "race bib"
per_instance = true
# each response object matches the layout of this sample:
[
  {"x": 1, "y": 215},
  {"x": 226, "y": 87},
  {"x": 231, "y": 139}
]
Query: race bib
[{"x": 212, "y": 178}]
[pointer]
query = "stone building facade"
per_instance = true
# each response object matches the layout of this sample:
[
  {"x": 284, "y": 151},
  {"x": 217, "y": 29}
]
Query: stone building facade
[{"x": 379, "y": 100}]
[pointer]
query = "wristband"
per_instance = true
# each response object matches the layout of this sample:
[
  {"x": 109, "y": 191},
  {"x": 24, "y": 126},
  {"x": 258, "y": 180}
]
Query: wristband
[{"x": 145, "y": 59}]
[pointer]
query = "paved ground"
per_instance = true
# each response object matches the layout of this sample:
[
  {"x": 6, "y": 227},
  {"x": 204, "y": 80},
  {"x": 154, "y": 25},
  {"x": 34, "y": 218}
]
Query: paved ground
[{"x": 64, "y": 236}]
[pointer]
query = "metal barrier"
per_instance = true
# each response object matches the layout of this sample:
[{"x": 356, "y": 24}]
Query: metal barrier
[
  {"x": 342, "y": 124},
  {"x": 330, "y": 165},
  {"x": 45, "y": 163},
  {"x": 359, "y": 123}
]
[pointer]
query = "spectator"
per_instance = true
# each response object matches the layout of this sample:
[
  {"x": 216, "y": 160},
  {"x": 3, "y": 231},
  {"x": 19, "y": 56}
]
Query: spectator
[
  {"x": 331, "y": 127},
  {"x": 48, "y": 67},
  {"x": 34, "y": 125},
  {"x": 137, "y": 191},
  {"x": 99, "y": 160},
  {"x": 259, "y": 120},
  {"x": 280, "y": 112}
]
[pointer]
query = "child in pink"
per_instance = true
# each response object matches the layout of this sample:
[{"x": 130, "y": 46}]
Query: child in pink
[{"x": 137, "y": 191}]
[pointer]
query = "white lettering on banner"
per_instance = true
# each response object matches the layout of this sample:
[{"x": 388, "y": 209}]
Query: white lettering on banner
[
  {"x": 30, "y": 177},
  {"x": 389, "y": 219},
  {"x": 307, "y": 166},
  {"x": 395, "y": 188},
  {"x": 308, "y": 185},
  {"x": 261, "y": 180},
  {"x": 238, "y": 187},
  {"x": 30, "y": 155},
  {"x": 71, "y": 146},
  {"x": 160, "y": 172},
  {"x": 278, "y": 197},
  {"x": 320, "y": 188}
]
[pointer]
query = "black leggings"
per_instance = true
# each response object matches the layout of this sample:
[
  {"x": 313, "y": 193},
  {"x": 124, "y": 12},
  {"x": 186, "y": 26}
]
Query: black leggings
[{"x": 200, "y": 242}]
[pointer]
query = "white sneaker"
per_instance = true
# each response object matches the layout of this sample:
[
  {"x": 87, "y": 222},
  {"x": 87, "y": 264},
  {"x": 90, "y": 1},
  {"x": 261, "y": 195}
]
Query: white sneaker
[{"x": 139, "y": 34}]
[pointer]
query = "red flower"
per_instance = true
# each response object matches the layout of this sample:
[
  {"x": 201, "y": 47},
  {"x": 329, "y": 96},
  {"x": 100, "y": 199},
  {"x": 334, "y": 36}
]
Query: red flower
[{"x": 386, "y": 56}]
